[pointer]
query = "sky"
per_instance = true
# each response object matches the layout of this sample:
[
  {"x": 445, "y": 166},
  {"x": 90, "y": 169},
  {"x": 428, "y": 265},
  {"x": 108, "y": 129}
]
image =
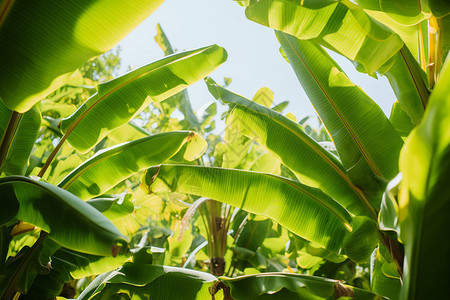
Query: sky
[{"x": 254, "y": 60}]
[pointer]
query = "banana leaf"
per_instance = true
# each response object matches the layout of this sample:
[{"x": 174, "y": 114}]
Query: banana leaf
[
  {"x": 366, "y": 142},
  {"x": 110, "y": 166},
  {"x": 25, "y": 135},
  {"x": 120, "y": 100},
  {"x": 425, "y": 197},
  {"x": 313, "y": 166},
  {"x": 408, "y": 83},
  {"x": 43, "y": 44},
  {"x": 69, "y": 221},
  {"x": 341, "y": 26},
  {"x": 305, "y": 211}
]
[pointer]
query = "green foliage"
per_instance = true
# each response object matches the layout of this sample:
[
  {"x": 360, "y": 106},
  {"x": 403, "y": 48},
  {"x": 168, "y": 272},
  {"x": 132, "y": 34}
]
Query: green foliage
[{"x": 359, "y": 202}]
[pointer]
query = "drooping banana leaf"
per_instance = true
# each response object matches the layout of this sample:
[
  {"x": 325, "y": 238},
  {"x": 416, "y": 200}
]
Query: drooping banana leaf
[
  {"x": 25, "y": 134},
  {"x": 306, "y": 211},
  {"x": 367, "y": 144},
  {"x": 120, "y": 100},
  {"x": 293, "y": 287},
  {"x": 43, "y": 44},
  {"x": 341, "y": 26},
  {"x": 110, "y": 166},
  {"x": 150, "y": 281},
  {"x": 288, "y": 142},
  {"x": 69, "y": 221},
  {"x": 184, "y": 104},
  {"x": 425, "y": 197},
  {"x": 408, "y": 83}
]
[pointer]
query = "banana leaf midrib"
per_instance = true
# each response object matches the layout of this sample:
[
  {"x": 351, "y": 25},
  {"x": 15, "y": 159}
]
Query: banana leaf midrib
[
  {"x": 423, "y": 98},
  {"x": 349, "y": 130},
  {"x": 282, "y": 274},
  {"x": 4, "y": 10}
]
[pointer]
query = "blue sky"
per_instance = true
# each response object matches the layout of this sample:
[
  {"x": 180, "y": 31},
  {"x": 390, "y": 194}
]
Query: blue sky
[{"x": 253, "y": 61}]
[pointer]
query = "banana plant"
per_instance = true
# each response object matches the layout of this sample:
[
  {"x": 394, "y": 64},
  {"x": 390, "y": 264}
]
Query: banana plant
[
  {"x": 54, "y": 232},
  {"x": 372, "y": 196},
  {"x": 339, "y": 200}
]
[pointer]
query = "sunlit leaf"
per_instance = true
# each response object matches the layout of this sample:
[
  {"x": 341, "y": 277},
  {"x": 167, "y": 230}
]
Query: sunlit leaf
[
  {"x": 120, "y": 100},
  {"x": 69, "y": 221},
  {"x": 305, "y": 211},
  {"x": 41, "y": 47}
]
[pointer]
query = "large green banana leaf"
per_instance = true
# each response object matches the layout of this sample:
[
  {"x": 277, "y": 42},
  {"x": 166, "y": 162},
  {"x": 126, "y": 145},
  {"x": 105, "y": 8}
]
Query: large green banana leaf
[
  {"x": 182, "y": 98},
  {"x": 408, "y": 82},
  {"x": 154, "y": 282},
  {"x": 110, "y": 166},
  {"x": 367, "y": 143},
  {"x": 288, "y": 142},
  {"x": 43, "y": 43},
  {"x": 339, "y": 25},
  {"x": 25, "y": 134},
  {"x": 425, "y": 198},
  {"x": 69, "y": 221},
  {"x": 306, "y": 211},
  {"x": 121, "y": 99}
]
